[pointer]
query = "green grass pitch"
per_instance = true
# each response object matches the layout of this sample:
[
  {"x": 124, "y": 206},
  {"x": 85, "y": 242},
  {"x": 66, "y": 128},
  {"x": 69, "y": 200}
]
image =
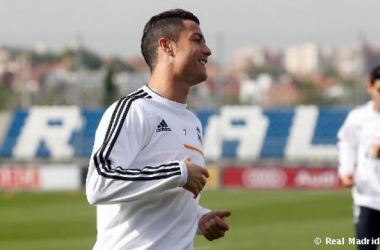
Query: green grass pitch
[{"x": 268, "y": 220}]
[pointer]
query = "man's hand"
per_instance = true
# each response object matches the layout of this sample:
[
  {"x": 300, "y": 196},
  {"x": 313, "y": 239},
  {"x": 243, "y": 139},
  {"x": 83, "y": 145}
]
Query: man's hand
[
  {"x": 213, "y": 225},
  {"x": 347, "y": 180},
  {"x": 196, "y": 177},
  {"x": 376, "y": 151}
]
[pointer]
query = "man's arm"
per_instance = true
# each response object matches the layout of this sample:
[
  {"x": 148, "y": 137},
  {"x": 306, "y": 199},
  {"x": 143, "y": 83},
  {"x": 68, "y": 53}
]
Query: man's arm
[
  {"x": 121, "y": 135},
  {"x": 348, "y": 144}
]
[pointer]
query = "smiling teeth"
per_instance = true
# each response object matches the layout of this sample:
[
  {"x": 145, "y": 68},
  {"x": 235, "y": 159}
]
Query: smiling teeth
[{"x": 203, "y": 62}]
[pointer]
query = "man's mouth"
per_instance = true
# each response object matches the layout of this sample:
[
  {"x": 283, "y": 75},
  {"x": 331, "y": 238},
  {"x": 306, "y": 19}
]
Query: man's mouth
[{"x": 203, "y": 62}]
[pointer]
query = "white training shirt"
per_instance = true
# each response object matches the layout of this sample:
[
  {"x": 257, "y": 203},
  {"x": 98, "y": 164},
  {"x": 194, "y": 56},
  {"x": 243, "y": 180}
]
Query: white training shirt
[
  {"x": 358, "y": 137},
  {"x": 136, "y": 173}
]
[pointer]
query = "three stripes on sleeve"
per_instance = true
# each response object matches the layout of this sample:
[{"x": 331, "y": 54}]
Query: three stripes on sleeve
[{"x": 101, "y": 158}]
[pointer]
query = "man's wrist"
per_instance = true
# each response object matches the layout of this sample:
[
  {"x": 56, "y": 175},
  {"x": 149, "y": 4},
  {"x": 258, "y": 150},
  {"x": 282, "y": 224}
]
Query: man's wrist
[{"x": 183, "y": 178}]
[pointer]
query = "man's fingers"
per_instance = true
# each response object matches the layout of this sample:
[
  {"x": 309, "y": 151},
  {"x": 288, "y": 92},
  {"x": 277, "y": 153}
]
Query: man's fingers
[
  {"x": 348, "y": 180},
  {"x": 207, "y": 236},
  {"x": 196, "y": 192},
  {"x": 187, "y": 158},
  {"x": 215, "y": 227},
  {"x": 223, "y": 213},
  {"x": 213, "y": 224},
  {"x": 204, "y": 181},
  {"x": 205, "y": 172},
  {"x": 221, "y": 224},
  {"x": 210, "y": 227}
]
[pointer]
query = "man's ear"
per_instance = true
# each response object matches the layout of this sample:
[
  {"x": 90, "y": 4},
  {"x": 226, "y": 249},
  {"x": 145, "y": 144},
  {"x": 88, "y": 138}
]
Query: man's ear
[
  {"x": 166, "y": 46},
  {"x": 368, "y": 86}
]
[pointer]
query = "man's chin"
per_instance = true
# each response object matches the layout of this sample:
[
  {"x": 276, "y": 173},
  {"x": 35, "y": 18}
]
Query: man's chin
[{"x": 200, "y": 79}]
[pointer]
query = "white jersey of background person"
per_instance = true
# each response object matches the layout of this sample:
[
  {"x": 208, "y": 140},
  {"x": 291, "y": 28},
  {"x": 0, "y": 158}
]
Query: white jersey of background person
[
  {"x": 136, "y": 173},
  {"x": 358, "y": 137}
]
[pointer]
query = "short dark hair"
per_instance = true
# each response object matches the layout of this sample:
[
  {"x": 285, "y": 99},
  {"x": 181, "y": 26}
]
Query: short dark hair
[
  {"x": 167, "y": 24},
  {"x": 375, "y": 75}
]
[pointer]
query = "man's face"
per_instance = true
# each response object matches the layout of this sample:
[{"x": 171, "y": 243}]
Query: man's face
[
  {"x": 374, "y": 91},
  {"x": 191, "y": 54}
]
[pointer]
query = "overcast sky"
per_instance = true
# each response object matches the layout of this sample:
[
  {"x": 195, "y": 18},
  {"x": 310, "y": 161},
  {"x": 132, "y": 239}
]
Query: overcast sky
[{"x": 115, "y": 26}]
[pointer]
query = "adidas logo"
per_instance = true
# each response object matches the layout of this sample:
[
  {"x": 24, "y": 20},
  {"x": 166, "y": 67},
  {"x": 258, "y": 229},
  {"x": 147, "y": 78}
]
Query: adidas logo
[{"x": 163, "y": 126}]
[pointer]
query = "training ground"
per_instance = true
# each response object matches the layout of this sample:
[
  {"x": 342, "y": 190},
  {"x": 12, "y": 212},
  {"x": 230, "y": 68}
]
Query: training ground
[{"x": 286, "y": 220}]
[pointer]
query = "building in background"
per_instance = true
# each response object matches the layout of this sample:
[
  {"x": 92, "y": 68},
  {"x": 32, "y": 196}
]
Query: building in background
[{"x": 303, "y": 59}]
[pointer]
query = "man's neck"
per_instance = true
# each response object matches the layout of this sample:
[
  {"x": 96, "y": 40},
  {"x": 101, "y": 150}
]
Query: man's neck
[
  {"x": 168, "y": 87},
  {"x": 376, "y": 106}
]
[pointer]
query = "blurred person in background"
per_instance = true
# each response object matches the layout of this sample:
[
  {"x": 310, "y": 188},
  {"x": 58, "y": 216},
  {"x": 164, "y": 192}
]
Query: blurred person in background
[
  {"x": 147, "y": 167},
  {"x": 359, "y": 168}
]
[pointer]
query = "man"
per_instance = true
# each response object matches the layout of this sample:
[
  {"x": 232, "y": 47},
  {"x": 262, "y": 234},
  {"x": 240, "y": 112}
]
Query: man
[
  {"x": 359, "y": 157},
  {"x": 147, "y": 167}
]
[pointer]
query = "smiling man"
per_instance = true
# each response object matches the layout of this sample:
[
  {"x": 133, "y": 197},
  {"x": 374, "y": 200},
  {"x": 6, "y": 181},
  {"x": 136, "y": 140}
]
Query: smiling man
[{"x": 147, "y": 167}]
